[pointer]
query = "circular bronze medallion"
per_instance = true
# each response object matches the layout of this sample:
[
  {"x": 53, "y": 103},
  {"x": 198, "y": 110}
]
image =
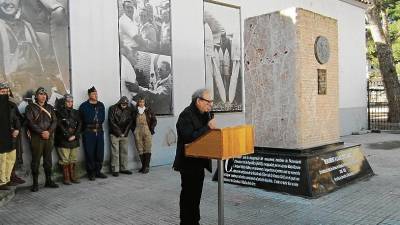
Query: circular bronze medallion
[{"x": 321, "y": 49}]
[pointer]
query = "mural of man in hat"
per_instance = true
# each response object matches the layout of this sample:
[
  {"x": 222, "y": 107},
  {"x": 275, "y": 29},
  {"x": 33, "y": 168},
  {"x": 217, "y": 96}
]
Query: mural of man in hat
[
  {"x": 42, "y": 123},
  {"x": 9, "y": 129},
  {"x": 67, "y": 138},
  {"x": 120, "y": 119},
  {"x": 92, "y": 114}
]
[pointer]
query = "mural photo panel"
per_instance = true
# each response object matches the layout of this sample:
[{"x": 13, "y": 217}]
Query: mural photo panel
[
  {"x": 223, "y": 56},
  {"x": 35, "y": 48},
  {"x": 145, "y": 52}
]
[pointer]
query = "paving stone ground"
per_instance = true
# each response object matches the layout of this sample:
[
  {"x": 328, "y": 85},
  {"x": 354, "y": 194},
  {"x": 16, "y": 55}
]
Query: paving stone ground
[{"x": 153, "y": 198}]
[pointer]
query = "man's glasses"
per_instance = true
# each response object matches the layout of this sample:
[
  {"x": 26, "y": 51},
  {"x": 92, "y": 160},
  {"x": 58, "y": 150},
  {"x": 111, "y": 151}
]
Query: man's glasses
[{"x": 208, "y": 101}]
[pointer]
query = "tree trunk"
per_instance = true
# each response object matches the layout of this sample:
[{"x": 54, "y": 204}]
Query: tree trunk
[{"x": 386, "y": 62}]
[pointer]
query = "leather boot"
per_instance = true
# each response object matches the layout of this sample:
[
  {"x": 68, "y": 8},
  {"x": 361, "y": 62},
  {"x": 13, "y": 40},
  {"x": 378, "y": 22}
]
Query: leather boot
[
  {"x": 142, "y": 161},
  {"x": 35, "y": 185},
  {"x": 49, "y": 182},
  {"x": 16, "y": 179},
  {"x": 67, "y": 180},
  {"x": 147, "y": 157},
  {"x": 72, "y": 173}
]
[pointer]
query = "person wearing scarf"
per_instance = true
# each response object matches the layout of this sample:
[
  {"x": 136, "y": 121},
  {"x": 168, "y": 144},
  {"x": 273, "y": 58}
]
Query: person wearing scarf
[
  {"x": 143, "y": 124},
  {"x": 9, "y": 130},
  {"x": 67, "y": 138}
]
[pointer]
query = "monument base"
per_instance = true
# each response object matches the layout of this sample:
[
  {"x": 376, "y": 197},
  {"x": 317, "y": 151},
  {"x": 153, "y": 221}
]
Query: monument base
[{"x": 311, "y": 172}]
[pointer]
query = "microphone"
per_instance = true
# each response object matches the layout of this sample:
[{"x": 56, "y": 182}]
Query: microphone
[{"x": 210, "y": 116}]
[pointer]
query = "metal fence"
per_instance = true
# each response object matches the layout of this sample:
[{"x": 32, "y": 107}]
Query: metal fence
[{"x": 378, "y": 108}]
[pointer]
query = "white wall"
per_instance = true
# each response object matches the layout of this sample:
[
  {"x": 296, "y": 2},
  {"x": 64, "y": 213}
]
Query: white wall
[{"x": 95, "y": 55}]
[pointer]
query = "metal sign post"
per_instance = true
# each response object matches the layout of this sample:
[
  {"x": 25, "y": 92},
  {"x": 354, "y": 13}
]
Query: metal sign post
[{"x": 220, "y": 192}]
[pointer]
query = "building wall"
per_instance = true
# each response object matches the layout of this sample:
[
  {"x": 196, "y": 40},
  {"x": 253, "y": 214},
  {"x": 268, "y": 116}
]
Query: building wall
[
  {"x": 318, "y": 114},
  {"x": 95, "y": 59}
]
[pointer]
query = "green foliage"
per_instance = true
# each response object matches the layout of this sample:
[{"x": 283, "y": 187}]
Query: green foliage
[{"x": 392, "y": 8}]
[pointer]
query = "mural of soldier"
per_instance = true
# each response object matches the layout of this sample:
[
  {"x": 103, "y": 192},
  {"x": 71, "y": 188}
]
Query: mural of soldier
[
  {"x": 34, "y": 45},
  {"x": 223, "y": 56}
]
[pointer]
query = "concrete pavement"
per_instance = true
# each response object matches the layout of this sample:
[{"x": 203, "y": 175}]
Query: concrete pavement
[{"x": 153, "y": 198}]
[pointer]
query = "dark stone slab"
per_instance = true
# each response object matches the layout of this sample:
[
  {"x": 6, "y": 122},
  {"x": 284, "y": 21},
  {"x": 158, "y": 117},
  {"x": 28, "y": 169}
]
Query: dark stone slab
[{"x": 311, "y": 172}]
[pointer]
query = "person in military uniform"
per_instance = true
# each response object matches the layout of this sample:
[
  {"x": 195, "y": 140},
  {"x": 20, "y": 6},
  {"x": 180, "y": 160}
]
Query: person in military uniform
[
  {"x": 67, "y": 138},
  {"x": 120, "y": 119},
  {"x": 42, "y": 122},
  {"x": 92, "y": 114},
  {"x": 144, "y": 123},
  {"x": 9, "y": 129}
]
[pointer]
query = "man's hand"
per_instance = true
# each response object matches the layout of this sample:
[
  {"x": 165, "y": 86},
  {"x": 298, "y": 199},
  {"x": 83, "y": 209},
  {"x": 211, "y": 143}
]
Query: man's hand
[
  {"x": 212, "y": 124},
  {"x": 15, "y": 133},
  {"x": 132, "y": 87},
  {"x": 45, "y": 135},
  {"x": 72, "y": 138}
]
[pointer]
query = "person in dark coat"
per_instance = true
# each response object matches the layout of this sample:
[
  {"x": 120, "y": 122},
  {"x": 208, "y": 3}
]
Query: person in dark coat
[
  {"x": 120, "y": 119},
  {"x": 67, "y": 138},
  {"x": 42, "y": 122},
  {"x": 10, "y": 126},
  {"x": 194, "y": 121},
  {"x": 92, "y": 114},
  {"x": 144, "y": 123}
]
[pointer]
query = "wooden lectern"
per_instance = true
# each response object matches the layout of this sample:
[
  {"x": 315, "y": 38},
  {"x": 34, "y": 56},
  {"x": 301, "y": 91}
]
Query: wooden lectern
[{"x": 221, "y": 144}]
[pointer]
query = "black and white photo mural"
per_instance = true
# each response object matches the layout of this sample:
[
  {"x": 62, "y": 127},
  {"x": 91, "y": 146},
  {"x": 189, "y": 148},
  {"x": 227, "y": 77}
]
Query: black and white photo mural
[
  {"x": 223, "y": 55},
  {"x": 145, "y": 52},
  {"x": 34, "y": 47}
]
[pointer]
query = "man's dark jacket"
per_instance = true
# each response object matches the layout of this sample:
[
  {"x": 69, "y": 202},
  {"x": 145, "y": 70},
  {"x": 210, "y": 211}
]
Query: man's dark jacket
[
  {"x": 8, "y": 143},
  {"x": 191, "y": 125},
  {"x": 120, "y": 120},
  {"x": 38, "y": 120},
  {"x": 150, "y": 118},
  {"x": 68, "y": 125}
]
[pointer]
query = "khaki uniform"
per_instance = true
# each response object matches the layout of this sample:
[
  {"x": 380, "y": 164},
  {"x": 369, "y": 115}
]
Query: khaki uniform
[
  {"x": 7, "y": 163},
  {"x": 119, "y": 153},
  {"x": 142, "y": 135},
  {"x": 67, "y": 155}
]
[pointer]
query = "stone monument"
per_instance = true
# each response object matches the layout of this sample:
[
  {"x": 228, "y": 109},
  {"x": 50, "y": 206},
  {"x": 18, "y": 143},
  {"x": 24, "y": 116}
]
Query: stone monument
[{"x": 291, "y": 83}]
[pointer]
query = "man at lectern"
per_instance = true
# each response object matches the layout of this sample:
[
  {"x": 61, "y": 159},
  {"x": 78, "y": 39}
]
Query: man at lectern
[{"x": 194, "y": 121}]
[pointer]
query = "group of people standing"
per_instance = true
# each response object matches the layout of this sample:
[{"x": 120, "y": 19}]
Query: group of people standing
[{"x": 62, "y": 126}]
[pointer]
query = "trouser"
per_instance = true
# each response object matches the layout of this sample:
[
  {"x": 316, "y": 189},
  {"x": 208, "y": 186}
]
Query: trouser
[
  {"x": 143, "y": 140},
  {"x": 7, "y": 161},
  {"x": 41, "y": 148},
  {"x": 19, "y": 147},
  {"x": 93, "y": 145},
  {"x": 67, "y": 155},
  {"x": 189, "y": 203},
  {"x": 119, "y": 153}
]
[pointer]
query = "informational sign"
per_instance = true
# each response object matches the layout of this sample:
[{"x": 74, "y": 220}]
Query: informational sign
[
  {"x": 280, "y": 173},
  {"x": 309, "y": 174}
]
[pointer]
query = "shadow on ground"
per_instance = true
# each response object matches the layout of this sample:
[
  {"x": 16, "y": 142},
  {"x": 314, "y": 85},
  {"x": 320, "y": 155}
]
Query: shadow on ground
[{"x": 386, "y": 145}]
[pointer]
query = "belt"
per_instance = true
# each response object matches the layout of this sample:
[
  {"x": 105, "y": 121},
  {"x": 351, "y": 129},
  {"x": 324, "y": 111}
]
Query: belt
[
  {"x": 94, "y": 126},
  {"x": 94, "y": 129}
]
